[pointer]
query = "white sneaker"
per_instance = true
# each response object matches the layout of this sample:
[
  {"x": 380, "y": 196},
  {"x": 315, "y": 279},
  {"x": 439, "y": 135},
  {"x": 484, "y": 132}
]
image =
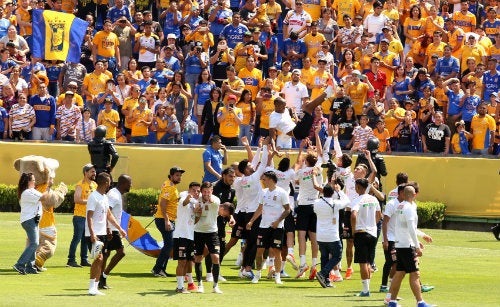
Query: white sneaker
[
  {"x": 221, "y": 278},
  {"x": 277, "y": 280},
  {"x": 96, "y": 249},
  {"x": 209, "y": 277},
  {"x": 329, "y": 91},
  {"x": 284, "y": 274},
  {"x": 255, "y": 280},
  {"x": 201, "y": 289},
  {"x": 95, "y": 292},
  {"x": 247, "y": 274},
  {"x": 239, "y": 260},
  {"x": 217, "y": 290}
]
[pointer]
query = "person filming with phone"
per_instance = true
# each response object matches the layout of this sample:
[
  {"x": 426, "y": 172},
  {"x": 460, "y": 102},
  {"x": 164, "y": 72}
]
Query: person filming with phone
[{"x": 229, "y": 118}]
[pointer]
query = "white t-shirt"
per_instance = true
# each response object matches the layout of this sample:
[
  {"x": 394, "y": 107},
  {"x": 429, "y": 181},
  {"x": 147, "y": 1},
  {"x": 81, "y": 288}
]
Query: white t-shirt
[
  {"x": 284, "y": 124},
  {"x": 294, "y": 94},
  {"x": 366, "y": 206},
  {"x": 273, "y": 203},
  {"x": 30, "y": 204},
  {"x": 116, "y": 205},
  {"x": 307, "y": 193},
  {"x": 184, "y": 224},
  {"x": 208, "y": 219},
  {"x": 238, "y": 194},
  {"x": 99, "y": 204},
  {"x": 374, "y": 24},
  {"x": 284, "y": 179},
  {"x": 406, "y": 225},
  {"x": 328, "y": 217},
  {"x": 390, "y": 209}
]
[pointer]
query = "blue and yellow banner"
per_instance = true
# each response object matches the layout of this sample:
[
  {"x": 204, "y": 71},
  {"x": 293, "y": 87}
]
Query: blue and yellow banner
[{"x": 57, "y": 36}]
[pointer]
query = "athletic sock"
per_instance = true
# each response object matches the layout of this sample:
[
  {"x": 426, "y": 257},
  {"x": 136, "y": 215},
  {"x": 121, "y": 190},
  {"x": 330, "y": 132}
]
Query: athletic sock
[
  {"x": 270, "y": 262},
  {"x": 366, "y": 285},
  {"x": 197, "y": 269},
  {"x": 283, "y": 263},
  {"x": 302, "y": 260},
  {"x": 290, "y": 250},
  {"x": 208, "y": 264},
  {"x": 190, "y": 278},
  {"x": 104, "y": 275},
  {"x": 388, "y": 295},
  {"x": 216, "y": 271},
  {"x": 180, "y": 282},
  {"x": 314, "y": 261},
  {"x": 92, "y": 284}
]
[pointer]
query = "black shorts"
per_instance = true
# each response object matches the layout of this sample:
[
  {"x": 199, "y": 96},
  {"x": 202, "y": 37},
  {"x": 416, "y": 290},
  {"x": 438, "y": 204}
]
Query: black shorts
[
  {"x": 239, "y": 228},
  {"x": 229, "y": 141},
  {"x": 115, "y": 243},
  {"x": 347, "y": 229},
  {"x": 211, "y": 240},
  {"x": 183, "y": 249},
  {"x": 407, "y": 260},
  {"x": 306, "y": 218},
  {"x": 89, "y": 242},
  {"x": 270, "y": 238},
  {"x": 289, "y": 225},
  {"x": 390, "y": 253},
  {"x": 364, "y": 247},
  {"x": 303, "y": 127}
]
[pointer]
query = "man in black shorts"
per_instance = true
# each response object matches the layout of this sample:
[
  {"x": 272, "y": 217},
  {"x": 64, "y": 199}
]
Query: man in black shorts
[
  {"x": 205, "y": 234},
  {"x": 407, "y": 248},
  {"x": 114, "y": 241}
]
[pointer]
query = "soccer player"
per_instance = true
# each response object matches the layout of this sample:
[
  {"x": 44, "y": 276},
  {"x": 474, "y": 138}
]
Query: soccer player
[
  {"x": 115, "y": 199},
  {"x": 365, "y": 212},
  {"x": 98, "y": 215},
  {"x": 408, "y": 248},
  {"x": 274, "y": 207},
  {"x": 205, "y": 233}
]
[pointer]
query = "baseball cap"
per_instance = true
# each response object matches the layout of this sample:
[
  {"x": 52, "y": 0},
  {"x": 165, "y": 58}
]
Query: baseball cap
[
  {"x": 72, "y": 83},
  {"x": 386, "y": 28},
  {"x": 107, "y": 100},
  {"x": 87, "y": 167},
  {"x": 356, "y": 73},
  {"x": 171, "y": 35},
  {"x": 384, "y": 40},
  {"x": 176, "y": 169},
  {"x": 247, "y": 33},
  {"x": 69, "y": 93},
  {"x": 233, "y": 97},
  {"x": 296, "y": 71},
  {"x": 322, "y": 60}
]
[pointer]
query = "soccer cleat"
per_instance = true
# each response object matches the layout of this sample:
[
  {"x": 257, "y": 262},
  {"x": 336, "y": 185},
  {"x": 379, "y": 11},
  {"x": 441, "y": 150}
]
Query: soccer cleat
[
  {"x": 284, "y": 274},
  {"x": 255, "y": 280},
  {"x": 201, "y": 289},
  {"x": 277, "y": 280},
  {"x": 425, "y": 288},
  {"x": 31, "y": 270},
  {"x": 313, "y": 273},
  {"x": 192, "y": 287},
  {"x": 374, "y": 268},
  {"x": 182, "y": 291},
  {"x": 291, "y": 259},
  {"x": 337, "y": 278},
  {"x": 239, "y": 260},
  {"x": 95, "y": 292},
  {"x": 321, "y": 280},
  {"x": 329, "y": 284},
  {"x": 160, "y": 273},
  {"x": 217, "y": 290},
  {"x": 424, "y": 304},
  {"x": 496, "y": 231},
  {"x": 73, "y": 264},
  {"x": 383, "y": 289},
  {"x": 19, "y": 269},
  {"x": 96, "y": 249},
  {"x": 271, "y": 271},
  {"x": 209, "y": 277},
  {"x": 302, "y": 270},
  {"x": 40, "y": 268},
  {"x": 222, "y": 279},
  {"x": 247, "y": 274},
  {"x": 392, "y": 304},
  {"x": 348, "y": 273},
  {"x": 363, "y": 294}
]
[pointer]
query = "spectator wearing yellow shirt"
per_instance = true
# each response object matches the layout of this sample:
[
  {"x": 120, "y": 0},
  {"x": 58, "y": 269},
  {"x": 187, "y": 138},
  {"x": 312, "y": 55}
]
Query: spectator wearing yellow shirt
[
  {"x": 105, "y": 45},
  {"x": 465, "y": 19},
  {"x": 389, "y": 62},
  {"x": 129, "y": 104},
  {"x": 230, "y": 117},
  {"x": 247, "y": 107},
  {"x": 94, "y": 84},
  {"x": 251, "y": 76},
  {"x": 165, "y": 216},
  {"x": 313, "y": 41},
  {"x": 483, "y": 128},
  {"x": 141, "y": 118},
  {"x": 456, "y": 37},
  {"x": 77, "y": 99},
  {"x": 413, "y": 27},
  {"x": 460, "y": 138},
  {"x": 317, "y": 83},
  {"x": 358, "y": 91},
  {"x": 109, "y": 118},
  {"x": 436, "y": 47},
  {"x": 382, "y": 134},
  {"x": 472, "y": 49},
  {"x": 201, "y": 34},
  {"x": 307, "y": 70},
  {"x": 342, "y": 8}
]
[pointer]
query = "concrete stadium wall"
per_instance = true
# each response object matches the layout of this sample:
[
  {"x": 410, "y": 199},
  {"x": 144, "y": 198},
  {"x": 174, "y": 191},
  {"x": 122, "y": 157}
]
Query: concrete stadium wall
[{"x": 469, "y": 187}]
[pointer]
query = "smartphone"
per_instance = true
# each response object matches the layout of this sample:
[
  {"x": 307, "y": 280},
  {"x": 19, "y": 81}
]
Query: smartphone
[{"x": 231, "y": 105}]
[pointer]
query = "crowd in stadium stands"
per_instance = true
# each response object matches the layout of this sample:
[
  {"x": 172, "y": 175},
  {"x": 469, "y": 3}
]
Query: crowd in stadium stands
[{"x": 421, "y": 76}]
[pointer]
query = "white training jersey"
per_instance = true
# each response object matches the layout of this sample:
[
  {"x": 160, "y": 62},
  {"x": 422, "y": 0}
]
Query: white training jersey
[
  {"x": 284, "y": 124},
  {"x": 250, "y": 185},
  {"x": 208, "y": 220},
  {"x": 116, "y": 205},
  {"x": 184, "y": 224},
  {"x": 273, "y": 203},
  {"x": 406, "y": 225},
  {"x": 392, "y": 194},
  {"x": 390, "y": 209},
  {"x": 307, "y": 193},
  {"x": 366, "y": 206},
  {"x": 238, "y": 195},
  {"x": 327, "y": 211},
  {"x": 98, "y": 203}
]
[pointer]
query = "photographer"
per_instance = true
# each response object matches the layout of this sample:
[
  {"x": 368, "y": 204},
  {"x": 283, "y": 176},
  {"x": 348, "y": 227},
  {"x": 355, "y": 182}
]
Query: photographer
[
  {"x": 220, "y": 58},
  {"x": 196, "y": 61}
]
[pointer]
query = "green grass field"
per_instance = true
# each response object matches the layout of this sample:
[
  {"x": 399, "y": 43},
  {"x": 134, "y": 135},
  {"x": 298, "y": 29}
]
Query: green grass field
[{"x": 463, "y": 266}]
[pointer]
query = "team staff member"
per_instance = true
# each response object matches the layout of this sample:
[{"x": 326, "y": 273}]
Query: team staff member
[
  {"x": 205, "y": 234},
  {"x": 274, "y": 207},
  {"x": 165, "y": 216},
  {"x": 115, "y": 200},
  {"x": 98, "y": 216},
  {"x": 82, "y": 191},
  {"x": 365, "y": 212}
]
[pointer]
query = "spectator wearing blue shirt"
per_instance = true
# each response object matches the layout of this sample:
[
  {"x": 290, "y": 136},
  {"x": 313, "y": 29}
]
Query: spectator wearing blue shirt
[
  {"x": 294, "y": 50},
  {"x": 213, "y": 160},
  {"x": 491, "y": 79},
  {"x": 45, "y": 113},
  {"x": 172, "y": 19},
  {"x": 469, "y": 103},
  {"x": 163, "y": 74},
  {"x": 447, "y": 66},
  {"x": 234, "y": 31},
  {"x": 6, "y": 64},
  {"x": 4, "y": 123},
  {"x": 219, "y": 18},
  {"x": 194, "y": 63},
  {"x": 4, "y": 24},
  {"x": 194, "y": 18},
  {"x": 146, "y": 78},
  {"x": 452, "y": 90},
  {"x": 118, "y": 11},
  {"x": 422, "y": 81},
  {"x": 269, "y": 39}
]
